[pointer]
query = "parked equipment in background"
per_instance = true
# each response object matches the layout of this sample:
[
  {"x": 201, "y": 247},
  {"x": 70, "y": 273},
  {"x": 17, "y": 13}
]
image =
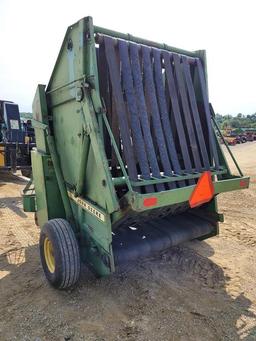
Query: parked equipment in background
[
  {"x": 231, "y": 141},
  {"x": 232, "y": 137},
  {"x": 250, "y": 135},
  {"x": 16, "y": 139},
  {"x": 127, "y": 161}
]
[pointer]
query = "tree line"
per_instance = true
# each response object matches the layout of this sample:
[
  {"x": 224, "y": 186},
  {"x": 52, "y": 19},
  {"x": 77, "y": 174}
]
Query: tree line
[{"x": 236, "y": 122}]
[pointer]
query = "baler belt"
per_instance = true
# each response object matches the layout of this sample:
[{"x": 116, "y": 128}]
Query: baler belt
[
  {"x": 138, "y": 87},
  {"x": 213, "y": 147},
  {"x": 172, "y": 91},
  {"x": 120, "y": 107},
  {"x": 195, "y": 113},
  {"x": 186, "y": 112},
  {"x": 139, "y": 144},
  {"x": 153, "y": 107},
  {"x": 165, "y": 113},
  {"x": 161, "y": 127}
]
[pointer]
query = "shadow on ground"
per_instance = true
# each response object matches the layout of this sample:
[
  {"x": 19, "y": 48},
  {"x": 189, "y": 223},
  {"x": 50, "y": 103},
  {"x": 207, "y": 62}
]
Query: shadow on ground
[
  {"x": 14, "y": 204},
  {"x": 7, "y": 176},
  {"x": 179, "y": 295}
]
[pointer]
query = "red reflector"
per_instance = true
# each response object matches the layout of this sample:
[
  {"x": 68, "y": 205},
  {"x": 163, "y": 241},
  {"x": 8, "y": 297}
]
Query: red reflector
[
  {"x": 150, "y": 201},
  {"x": 203, "y": 191},
  {"x": 243, "y": 183}
]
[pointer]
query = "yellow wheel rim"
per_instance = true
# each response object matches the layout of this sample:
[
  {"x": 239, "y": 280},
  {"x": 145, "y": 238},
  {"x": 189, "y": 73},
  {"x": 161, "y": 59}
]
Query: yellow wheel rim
[{"x": 49, "y": 255}]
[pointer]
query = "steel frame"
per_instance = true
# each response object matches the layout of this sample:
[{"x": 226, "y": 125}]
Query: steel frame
[{"x": 55, "y": 196}]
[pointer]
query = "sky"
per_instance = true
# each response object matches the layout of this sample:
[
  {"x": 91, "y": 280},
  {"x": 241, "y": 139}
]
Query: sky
[{"x": 31, "y": 33}]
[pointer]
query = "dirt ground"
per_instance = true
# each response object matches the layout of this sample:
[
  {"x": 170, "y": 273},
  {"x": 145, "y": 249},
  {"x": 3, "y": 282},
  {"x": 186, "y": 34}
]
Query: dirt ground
[{"x": 198, "y": 291}]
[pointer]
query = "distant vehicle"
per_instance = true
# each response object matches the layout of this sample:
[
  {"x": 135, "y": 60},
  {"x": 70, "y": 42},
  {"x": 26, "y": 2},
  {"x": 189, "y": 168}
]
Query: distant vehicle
[
  {"x": 251, "y": 135},
  {"x": 16, "y": 139},
  {"x": 232, "y": 137},
  {"x": 240, "y": 139},
  {"x": 243, "y": 138},
  {"x": 231, "y": 141}
]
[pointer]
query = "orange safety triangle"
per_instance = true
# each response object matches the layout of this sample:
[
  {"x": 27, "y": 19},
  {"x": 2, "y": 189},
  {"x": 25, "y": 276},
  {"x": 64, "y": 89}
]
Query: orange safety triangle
[{"x": 203, "y": 191}]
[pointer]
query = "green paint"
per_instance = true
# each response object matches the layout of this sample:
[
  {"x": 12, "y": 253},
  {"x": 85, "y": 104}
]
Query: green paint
[
  {"x": 29, "y": 199},
  {"x": 71, "y": 174}
]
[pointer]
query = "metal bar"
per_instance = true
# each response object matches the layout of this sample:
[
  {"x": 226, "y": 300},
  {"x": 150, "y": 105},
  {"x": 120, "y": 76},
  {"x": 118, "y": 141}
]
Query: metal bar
[
  {"x": 116, "y": 132},
  {"x": 84, "y": 157},
  {"x": 139, "y": 145},
  {"x": 195, "y": 113},
  {"x": 129, "y": 37},
  {"x": 126, "y": 177},
  {"x": 179, "y": 195},
  {"x": 103, "y": 75},
  {"x": 232, "y": 184},
  {"x": 176, "y": 113},
  {"x": 164, "y": 113},
  {"x": 65, "y": 85},
  {"x": 229, "y": 151},
  {"x": 151, "y": 93},
  {"x": 222, "y": 157},
  {"x": 121, "y": 181},
  {"x": 138, "y": 86}
]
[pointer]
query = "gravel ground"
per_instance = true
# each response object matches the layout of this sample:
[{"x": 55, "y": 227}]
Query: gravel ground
[{"x": 198, "y": 291}]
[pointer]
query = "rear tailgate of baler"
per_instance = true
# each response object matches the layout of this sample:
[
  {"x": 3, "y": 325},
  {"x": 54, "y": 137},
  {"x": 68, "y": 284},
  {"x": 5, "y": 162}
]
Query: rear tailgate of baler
[{"x": 160, "y": 124}]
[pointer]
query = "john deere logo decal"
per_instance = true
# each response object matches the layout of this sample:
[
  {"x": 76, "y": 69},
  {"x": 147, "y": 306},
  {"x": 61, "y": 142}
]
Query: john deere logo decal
[{"x": 88, "y": 207}]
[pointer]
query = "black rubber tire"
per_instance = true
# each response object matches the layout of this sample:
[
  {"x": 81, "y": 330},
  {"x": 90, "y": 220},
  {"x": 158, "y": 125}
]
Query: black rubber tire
[
  {"x": 26, "y": 172},
  {"x": 66, "y": 253}
]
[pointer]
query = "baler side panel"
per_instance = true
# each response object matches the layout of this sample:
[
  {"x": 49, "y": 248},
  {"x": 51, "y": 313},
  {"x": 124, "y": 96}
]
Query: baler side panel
[
  {"x": 40, "y": 114},
  {"x": 95, "y": 236},
  {"x": 48, "y": 198},
  {"x": 76, "y": 120},
  {"x": 68, "y": 133}
]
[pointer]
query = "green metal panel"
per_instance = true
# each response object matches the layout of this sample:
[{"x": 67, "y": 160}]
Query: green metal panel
[
  {"x": 73, "y": 109},
  {"x": 95, "y": 234},
  {"x": 68, "y": 119},
  {"x": 40, "y": 114},
  {"x": 40, "y": 111},
  {"x": 29, "y": 203},
  {"x": 180, "y": 195},
  {"x": 29, "y": 198},
  {"x": 48, "y": 198}
]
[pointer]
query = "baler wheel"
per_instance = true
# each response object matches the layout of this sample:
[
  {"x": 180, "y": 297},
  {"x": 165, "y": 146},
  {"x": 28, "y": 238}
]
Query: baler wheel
[{"x": 59, "y": 253}]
